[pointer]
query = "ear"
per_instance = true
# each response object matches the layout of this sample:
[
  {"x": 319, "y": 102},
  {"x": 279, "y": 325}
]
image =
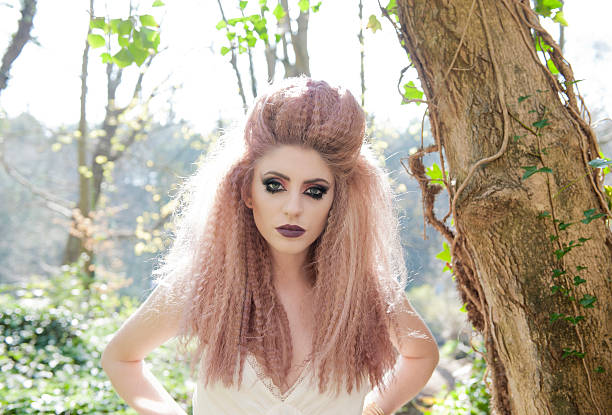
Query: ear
[{"x": 246, "y": 197}]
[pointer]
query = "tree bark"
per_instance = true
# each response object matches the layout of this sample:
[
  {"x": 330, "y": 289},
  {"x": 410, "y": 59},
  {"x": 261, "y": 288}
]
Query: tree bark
[
  {"x": 20, "y": 38},
  {"x": 490, "y": 98}
]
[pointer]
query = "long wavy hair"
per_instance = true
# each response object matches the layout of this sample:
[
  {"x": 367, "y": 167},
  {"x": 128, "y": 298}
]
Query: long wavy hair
[{"x": 219, "y": 266}]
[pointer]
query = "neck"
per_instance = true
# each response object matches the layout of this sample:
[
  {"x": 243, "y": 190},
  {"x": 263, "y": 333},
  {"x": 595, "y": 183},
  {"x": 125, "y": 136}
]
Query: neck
[{"x": 289, "y": 271}]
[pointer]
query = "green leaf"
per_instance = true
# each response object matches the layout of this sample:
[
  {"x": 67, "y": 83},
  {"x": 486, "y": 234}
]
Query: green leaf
[
  {"x": 552, "y": 4},
  {"x": 435, "y": 174},
  {"x": 236, "y": 20},
  {"x": 580, "y": 268},
  {"x": 600, "y": 163},
  {"x": 158, "y": 3},
  {"x": 279, "y": 12},
  {"x": 412, "y": 92},
  {"x": 587, "y": 301},
  {"x": 531, "y": 170},
  {"x": 541, "y": 123},
  {"x": 557, "y": 273},
  {"x": 316, "y": 7},
  {"x": 518, "y": 137},
  {"x": 391, "y": 6},
  {"x": 139, "y": 54},
  {"x": 149, "y": 38},
  {"x": 251, "y": 40},
  {"x": 544, "y": 214},
  {"x": 463, "y": 308},
  {"x": 583, "y": 240},
  {"x": 600, "y": 369},
  {"x": 553, "y": 238},
  {"x": 303, "y": 5},
  {"x": 373, "y": 24},
  {"x": 523, "y": 98},
  {"x": 243, "y": 4},
  {"x": 567, "y": 352},
  {"x": 222, "y": 24},
  {"x": 578, "y": 280},
  {"x": 555, "y": 316},
  {"x": 574, "y": 320},
  {"x": 106, "y": 58},
  {"x": 444, "y": 255},
  {"x": 230, "y": 35},
  {"x": 560, "y": 18},
  {"x": 590, "y": 216},
  {"x": 123, "y": 58},
  {"x": 551, "y": 67},
  {"x": 124, "y": 28},
  {"x": 123, "y": 41},
  {"x": 563, "y": 226},
  {"x": 97, "y": 23},
  {"x": 148, "y": 20},
  {"x": 277, "y": 37},
  {"x": 224, "y": 50},
  {"x": 95, "y": 41}
]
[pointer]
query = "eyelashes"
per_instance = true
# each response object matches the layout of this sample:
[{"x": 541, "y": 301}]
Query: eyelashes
[{"x": 316, "y": 192}]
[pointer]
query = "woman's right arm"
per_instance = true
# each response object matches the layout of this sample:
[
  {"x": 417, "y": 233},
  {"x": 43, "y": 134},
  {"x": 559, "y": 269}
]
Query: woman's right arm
[{"x": 155, "y": 322}]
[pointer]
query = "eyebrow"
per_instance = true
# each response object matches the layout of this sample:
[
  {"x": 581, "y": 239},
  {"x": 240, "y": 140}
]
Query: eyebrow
[{"x": 288, "y": 179}]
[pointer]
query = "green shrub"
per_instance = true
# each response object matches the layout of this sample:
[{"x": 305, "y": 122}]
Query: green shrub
[{"x": 52, "y": 333}]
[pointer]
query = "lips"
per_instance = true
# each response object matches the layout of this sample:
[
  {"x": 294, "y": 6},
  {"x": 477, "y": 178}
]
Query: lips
[
  {"x": 291, "y": 228},
  {"x": 290, "y": 231}
]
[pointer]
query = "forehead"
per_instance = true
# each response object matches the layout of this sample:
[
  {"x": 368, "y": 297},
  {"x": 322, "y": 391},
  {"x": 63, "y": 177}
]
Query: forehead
[{"x": 294, "y": 161}]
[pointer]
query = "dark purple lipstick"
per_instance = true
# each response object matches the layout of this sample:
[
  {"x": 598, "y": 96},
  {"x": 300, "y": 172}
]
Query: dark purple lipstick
[{"x": 291, "y": 231}]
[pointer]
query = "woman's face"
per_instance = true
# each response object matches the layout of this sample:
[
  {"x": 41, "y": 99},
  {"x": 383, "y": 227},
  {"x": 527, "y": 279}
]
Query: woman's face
[{"x": 291, "y": 186}]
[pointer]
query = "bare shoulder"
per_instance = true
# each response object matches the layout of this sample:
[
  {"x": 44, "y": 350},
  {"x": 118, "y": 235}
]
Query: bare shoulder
[
  {"x": 152, "y": 324},
  {"x": 409, "y": 333}
]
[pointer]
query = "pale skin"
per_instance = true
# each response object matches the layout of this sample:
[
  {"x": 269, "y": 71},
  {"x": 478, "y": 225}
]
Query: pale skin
[{"x": 282, "y": 192}]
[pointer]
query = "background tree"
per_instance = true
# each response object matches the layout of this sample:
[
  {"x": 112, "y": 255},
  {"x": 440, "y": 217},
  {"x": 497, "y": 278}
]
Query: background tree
[
  {"x": 19, "y": 40},
  {"x": 531, "y": 248}
]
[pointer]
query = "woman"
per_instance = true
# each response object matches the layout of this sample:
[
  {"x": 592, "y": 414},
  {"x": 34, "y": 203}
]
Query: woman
[{"x": 286, "y": 274}]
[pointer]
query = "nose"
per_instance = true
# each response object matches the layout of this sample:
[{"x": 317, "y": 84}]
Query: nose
[{"x": 293, "y": 205}]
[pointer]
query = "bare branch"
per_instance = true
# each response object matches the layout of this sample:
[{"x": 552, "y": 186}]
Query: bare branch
[{"x": 20, "y": 38}]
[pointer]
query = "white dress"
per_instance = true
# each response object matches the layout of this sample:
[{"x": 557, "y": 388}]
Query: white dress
[{"x": 259, "y": 396}]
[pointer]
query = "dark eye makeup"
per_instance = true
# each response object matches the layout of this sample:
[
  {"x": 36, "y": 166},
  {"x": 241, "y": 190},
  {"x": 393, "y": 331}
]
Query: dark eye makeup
[{"x": 274, "y": 186}]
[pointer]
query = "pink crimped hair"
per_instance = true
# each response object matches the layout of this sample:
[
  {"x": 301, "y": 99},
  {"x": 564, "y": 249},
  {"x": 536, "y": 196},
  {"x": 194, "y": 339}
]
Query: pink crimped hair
[{"x": 219, "y": 266}]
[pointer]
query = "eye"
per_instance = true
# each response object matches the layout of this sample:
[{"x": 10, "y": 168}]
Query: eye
[
  {"x": 271, "y": 186},
  {"x": 318, "y": 192},
  {"x": 315, "y": 192}
]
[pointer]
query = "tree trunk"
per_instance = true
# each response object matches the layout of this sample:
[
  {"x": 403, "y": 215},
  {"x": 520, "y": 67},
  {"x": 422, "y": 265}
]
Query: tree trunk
[
  {"x": 545, "y": 319},
  {"x": 78, "y": 235}
]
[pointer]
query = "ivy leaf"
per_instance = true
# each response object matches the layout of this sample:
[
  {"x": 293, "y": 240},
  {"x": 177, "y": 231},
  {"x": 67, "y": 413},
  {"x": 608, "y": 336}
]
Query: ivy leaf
[
  {"x": 580, "y": 268},
  {"x": 412, "y": 92},
  {"x": 95, "y": 41},
  {"x": 373, "y": 24},
  {"x": 541, "y": 123},
  {"x": 590, "y": 216},
  {"x": 555, "y": 316},
  {"x": 563, "y": 226},
  {"x": 567, "y": 352},
  {"x": 574, "y": 320},
  {"x": 600, "y": 369},
  {"x": 222, "y": 24},
  {"x": 600, "y": 163},
  {"x": 544, "y": 214},
  {"x": 551, "y": 67},
  {"x": 523, "y": 98},
  {"x": 123, "y": 41},
  {"x": 578, "y": 280},
  {"x": 125, "y": 27},
  {"x": 531, "y": 170},
  {"x": 444, "y": 255},
  {"x": 224, "y": 50},
  {"x": 158, "y": 3},
  {"x": 243, "y": 4},
  {"x": 558, "y": 273},
  {"x": 316, "y": 7},
  {"x": 304, "y": 5},
  {"x": 435, "y": 174},
  {"x": 587, "y": 301}
]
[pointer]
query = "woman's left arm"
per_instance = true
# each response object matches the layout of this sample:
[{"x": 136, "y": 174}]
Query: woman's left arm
[{"x": 417, "y": 361}]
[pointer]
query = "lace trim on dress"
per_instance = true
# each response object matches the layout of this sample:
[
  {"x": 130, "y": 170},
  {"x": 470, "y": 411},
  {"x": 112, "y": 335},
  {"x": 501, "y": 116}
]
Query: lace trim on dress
[{"x": 267, "y": 382}]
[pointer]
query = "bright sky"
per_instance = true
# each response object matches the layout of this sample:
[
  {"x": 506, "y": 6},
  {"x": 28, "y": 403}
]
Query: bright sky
[{"x": 45, "y": 79}]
